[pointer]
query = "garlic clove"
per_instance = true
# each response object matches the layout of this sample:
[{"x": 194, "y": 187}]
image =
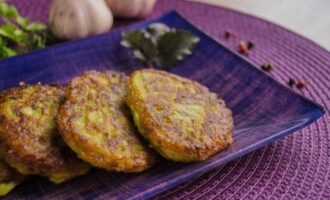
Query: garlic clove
[
  {"x": 125, "y": 8},
  {"x": 147, "y": 6},
  {"x": 103, "y": 21},
  {"x": 75, "y": 19},
  {"x": 131, "y": 8}
]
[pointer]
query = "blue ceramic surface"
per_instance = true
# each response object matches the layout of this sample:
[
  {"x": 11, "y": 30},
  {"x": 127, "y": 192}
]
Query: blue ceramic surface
[{"x": 263, "y": 110}]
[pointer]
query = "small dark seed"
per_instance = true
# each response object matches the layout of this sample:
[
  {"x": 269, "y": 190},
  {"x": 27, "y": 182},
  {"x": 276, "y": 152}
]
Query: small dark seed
[
  {"x": 250, "y": 45},
  {"x": 291, "y": 82},
  {"x": 267, "y": 67},
  {"x": 301, "y": 84},
  {"x": 242, "y": 48},
  {"x": 227, "y": 34}
]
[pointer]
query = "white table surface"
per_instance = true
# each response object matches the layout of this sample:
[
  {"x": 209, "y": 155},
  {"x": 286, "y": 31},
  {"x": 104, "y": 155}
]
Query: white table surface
[{"x": 310, "y": 18}]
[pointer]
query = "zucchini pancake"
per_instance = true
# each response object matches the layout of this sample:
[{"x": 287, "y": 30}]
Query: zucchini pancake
[
  {"x": 96, "y": 123},
  {"x": 181, "y": 119},
  {"x": 29, "y": 140},
  {"x": 9, "y": 178}
]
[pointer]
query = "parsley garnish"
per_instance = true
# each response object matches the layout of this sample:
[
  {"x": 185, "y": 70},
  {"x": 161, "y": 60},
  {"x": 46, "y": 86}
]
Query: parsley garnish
[
  {"x": 19, "y": 35},
  {"x": 159, "y": 44}
]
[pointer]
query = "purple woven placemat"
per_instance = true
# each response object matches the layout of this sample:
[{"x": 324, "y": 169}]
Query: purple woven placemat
[{"x": 296, "y": 167}]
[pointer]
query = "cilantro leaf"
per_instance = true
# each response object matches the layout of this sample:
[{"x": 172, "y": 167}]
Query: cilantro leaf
[
  {"x": 22, "y": 21},
  {"x": 160, "y": 44},
  {"x": 143, "y": 48},
  {"x": 155, "y": 30},
  {"x": 4, "y": 50},
  {"x": 11, "y": 32},
  {"x": 174, "y": 46},
  {"x": 35, "y": 26},
  {"x": 7, "y": 11},
  {"x": 38, "y": 42},
  {"x": 18, "y": 34},
  {"x": 8, "y": 52}
]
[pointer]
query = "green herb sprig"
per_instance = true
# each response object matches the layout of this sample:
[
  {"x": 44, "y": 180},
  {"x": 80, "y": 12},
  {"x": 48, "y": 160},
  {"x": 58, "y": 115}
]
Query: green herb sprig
[
  {"x": 159, "y": 44},
  {"x": 19, "y": 35}
]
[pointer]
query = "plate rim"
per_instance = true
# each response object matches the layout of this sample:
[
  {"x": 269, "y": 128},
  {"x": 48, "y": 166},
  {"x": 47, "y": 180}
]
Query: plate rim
[{"x": 318, "y": 110}]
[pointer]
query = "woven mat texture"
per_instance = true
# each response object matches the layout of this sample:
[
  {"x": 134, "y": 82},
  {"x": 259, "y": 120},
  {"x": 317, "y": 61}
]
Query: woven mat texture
[{"x": 296, "y": 167}]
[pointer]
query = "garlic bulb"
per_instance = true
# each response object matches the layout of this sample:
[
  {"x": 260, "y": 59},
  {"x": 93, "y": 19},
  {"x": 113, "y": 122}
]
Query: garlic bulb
[
  {"x": 131, "y": 8},
  {"x": 74, "y": 19}
]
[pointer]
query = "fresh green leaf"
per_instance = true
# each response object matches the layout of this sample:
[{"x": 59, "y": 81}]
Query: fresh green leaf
[
  {"x": 3, "y": 41},
  {"x": 7, "y": 11},
  {"x": 174, "y": 46},
  {"x": 18, "y": 34},
  {"x": 143, "y": 48},
  {"x": 9, "y": 52},
  {"x": 34, "y": 27},
  {"x": 22, "y": 21},
  {"x": 159, "y": 44},
  {"x": 4, "y": 50},
  {"x": 155, "y": 30},
  {"x": 11, "y": 32},
  {"x": 38, "y": 41},
  {"x": 26, "y": 25}
]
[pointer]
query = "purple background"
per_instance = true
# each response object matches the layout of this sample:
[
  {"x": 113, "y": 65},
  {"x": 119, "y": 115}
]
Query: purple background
[{"x": 296, "y": 167}]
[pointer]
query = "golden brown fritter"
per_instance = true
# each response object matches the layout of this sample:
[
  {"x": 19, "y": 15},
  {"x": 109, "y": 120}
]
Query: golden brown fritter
[
  {"x": 29, "y": 140},
  {"x": 96, "y": 124},
  {"x": 9, "y": 178},
  {"x": 181, "y": 119}
]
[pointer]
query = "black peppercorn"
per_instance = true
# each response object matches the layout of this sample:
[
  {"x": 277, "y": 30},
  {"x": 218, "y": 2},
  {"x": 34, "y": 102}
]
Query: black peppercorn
[
  {"x": 250, "y": 45},
  {"x": 291, "y": 82},
  {"x": 267, "y": 67},
  {"x": 227, "y": 34}
]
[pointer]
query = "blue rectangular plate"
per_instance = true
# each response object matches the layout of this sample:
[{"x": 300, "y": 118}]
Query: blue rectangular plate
[{"x": 263, "y": 109}]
